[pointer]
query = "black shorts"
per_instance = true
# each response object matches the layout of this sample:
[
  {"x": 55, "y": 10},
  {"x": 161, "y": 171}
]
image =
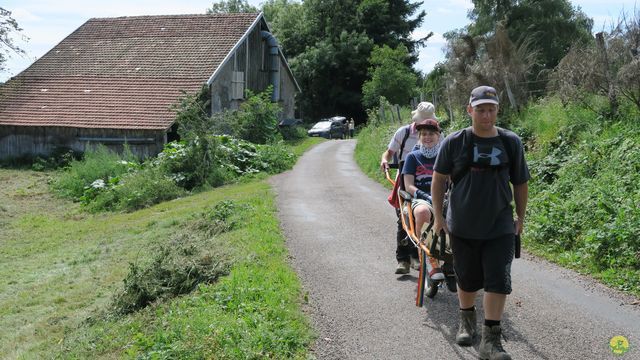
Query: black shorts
[{"x": 483, "y": 263}]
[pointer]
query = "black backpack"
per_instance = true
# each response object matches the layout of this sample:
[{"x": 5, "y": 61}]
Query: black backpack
[{"x": 467, "y": 141}]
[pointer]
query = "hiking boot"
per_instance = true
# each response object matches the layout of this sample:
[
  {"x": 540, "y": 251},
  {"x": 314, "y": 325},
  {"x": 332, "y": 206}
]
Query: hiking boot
[
  {"x": 435, "y": 273},
  {"x": 403, "y": 267},
  {"x": 415, "y": 263},
  {"x": 467, "y": 329},
  {"x": 490, "y": 345}
]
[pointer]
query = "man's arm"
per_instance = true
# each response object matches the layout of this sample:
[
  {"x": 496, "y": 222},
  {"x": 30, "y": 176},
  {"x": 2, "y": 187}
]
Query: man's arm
[
  {"x": 384, "y": 160},
  {"x": 520, "y": 196},
  {"x": 438, "y": 188}
]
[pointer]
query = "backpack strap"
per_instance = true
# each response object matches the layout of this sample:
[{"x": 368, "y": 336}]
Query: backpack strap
[
  {"x": 404, "y": 141},
  {"x": 467, "y": 142}
]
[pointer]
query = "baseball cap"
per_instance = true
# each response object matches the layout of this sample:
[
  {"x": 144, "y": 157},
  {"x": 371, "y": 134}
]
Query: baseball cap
[
  {"x": 431, "y": 124},
  {"x": 483, "y": 95}
]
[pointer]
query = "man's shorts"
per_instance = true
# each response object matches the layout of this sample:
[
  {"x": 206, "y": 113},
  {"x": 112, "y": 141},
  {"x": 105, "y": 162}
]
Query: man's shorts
[{"x": 483, "y": 263}]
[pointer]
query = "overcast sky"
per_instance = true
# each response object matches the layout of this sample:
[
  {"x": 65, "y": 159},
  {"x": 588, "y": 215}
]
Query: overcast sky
[{"x": 47, "y": 22}]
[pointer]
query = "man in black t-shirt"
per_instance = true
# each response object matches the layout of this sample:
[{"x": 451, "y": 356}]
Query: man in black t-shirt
[{"x": 482, "y": 161}]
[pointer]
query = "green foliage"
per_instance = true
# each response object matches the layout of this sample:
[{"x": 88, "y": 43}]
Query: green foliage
[
  {"x": 328, "y": 44},
  {"x": 231, "y": 6},
  {"x": 293, "y": 133},
  {"x": 195, "y": 164},
  {"x": 389, "y": 77},
  {"x": 132, "y": 191},
  {"x": 180, "y": 265},
  {"x": 8, "y": 27},
  {"x": 606, "y": 68},
  {"x": 583, "y": 193},
  {"x": 517, "y": 42},
  {"x": 98, "y": 166},
  {"x": 258, "y": 118}
]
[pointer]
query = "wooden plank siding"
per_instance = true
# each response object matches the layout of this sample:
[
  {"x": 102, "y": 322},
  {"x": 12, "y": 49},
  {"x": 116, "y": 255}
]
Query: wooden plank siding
[
  {"x": 18, "y": 141},
  {"x": 255, "y": 67}
]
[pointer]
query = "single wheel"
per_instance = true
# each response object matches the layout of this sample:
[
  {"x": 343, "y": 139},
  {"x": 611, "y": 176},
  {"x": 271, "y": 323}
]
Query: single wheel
[
  {"x": 431, "y": 288},
  {"x": 451, "y": 283},
  {"x": 450, "y": 276}
]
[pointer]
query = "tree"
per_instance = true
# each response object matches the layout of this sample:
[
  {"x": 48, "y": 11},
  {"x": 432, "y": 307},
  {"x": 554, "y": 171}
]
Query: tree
[
  {"x": 331, "y": 74},
  {"x": 231, "y": 6},
  {"x": 524, "y": 40},
  {"x": 553, "y": 27},
  {"x": 608, "y": 68},
  {"x": 286, "y": 20},
  {"x": 329, "y": 42},
  {"x": 492, "y": 60},
  {"x": 8, "y": 26},
  {"x": 389, "y": 77}
]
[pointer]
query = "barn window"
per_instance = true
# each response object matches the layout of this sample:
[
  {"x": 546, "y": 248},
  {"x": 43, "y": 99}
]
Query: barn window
[{"x": 237, "y": 85}]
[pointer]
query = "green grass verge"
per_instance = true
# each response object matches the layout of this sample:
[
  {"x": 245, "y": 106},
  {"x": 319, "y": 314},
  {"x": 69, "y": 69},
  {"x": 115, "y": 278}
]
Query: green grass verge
[{"x": 61, "y": 268}]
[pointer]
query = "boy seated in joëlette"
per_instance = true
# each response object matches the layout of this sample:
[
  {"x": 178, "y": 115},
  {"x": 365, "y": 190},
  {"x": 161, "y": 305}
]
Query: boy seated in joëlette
[{"x": 417, "y": 174}]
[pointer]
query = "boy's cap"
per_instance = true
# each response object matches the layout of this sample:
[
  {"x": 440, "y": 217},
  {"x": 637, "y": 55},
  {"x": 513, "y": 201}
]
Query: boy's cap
[
  {"x": 483, "y": 95},
  {"x": 430, "y": 124}
]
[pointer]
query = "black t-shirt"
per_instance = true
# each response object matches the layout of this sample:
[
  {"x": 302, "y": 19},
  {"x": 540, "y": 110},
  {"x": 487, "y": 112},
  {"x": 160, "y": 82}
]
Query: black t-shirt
[{"x": 480, "y": 203}]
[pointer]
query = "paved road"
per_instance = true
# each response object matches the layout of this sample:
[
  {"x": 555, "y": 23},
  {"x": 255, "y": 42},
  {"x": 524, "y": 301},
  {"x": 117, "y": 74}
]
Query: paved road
[{"x": 340, "y": 232}]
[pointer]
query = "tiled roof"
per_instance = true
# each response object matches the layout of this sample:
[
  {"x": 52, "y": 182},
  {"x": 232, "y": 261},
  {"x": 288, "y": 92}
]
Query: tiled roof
[{"x": 121, "y": 73}]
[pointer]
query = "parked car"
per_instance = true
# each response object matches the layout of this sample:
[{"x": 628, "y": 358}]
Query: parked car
[
  {"x": 345, "y": 124},
  {"x": 327, "y": 129}
]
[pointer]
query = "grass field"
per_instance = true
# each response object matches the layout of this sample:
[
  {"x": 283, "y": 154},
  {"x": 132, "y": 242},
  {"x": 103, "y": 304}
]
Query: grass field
[{"x": 60, "y": 268}]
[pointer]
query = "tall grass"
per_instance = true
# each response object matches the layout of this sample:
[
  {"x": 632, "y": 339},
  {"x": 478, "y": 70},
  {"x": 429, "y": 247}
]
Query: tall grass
[{"x": 98, "y": 163}]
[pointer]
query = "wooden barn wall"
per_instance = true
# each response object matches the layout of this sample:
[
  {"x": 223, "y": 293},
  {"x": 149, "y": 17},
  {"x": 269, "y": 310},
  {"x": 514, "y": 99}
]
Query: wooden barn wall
[
  {"x": 17, "y": 141},
  {"x": 255, "y": 66},
  {"x": 287, "y": 93}
]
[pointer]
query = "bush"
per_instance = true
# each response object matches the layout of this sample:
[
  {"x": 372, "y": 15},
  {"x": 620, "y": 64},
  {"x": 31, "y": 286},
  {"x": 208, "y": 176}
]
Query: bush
[
  {"x": 293, "y": 133},
  {"x": 194, "y": 164},
  {"x": 258, "y": 118},
  {"x": 584, "y": 194},
  {"x": 133, "y": 191},
  {"x": 98, "y": 164}
]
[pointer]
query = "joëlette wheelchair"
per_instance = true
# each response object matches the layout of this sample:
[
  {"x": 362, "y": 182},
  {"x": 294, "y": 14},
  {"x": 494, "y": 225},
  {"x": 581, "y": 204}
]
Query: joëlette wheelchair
[{"x": 433, "y": 249}]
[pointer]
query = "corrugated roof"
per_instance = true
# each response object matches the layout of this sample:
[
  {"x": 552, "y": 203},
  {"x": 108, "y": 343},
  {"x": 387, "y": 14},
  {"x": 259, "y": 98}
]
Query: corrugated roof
[{"x": 122, "y": 72}]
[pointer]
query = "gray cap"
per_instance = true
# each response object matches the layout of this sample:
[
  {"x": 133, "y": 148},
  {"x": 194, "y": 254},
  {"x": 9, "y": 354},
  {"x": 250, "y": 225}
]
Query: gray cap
[{"x": 483, "y": 95}]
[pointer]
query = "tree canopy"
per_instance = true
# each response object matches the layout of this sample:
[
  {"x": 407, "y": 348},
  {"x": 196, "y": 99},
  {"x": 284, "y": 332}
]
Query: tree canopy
[
  {"x": 8, "y": 28},
  {"x": 329, "y": 43},
  {"x": 231, "y": 6}
]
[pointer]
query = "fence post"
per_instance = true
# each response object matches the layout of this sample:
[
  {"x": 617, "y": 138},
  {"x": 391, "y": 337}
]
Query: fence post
[
  {"x": 398, "y": 112},
  {"x": 382, "y": 115},
  {"x": 512, "y": 98}
]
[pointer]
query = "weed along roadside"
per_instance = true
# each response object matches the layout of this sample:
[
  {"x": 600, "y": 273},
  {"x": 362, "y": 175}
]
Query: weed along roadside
[{"x": 202, "y": 276}]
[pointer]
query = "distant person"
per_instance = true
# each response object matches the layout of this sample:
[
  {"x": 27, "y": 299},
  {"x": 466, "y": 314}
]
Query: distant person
[
  {"x": 417, "y": 174},
  {"x": 482, "y": 161},
  {"x": 402, "y": 143},
  {"x": 351, "y": 127}
]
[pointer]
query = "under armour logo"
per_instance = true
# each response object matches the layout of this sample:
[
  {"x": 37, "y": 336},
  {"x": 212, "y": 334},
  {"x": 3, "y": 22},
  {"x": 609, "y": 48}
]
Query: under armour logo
[{"x": 495, "y": 152}]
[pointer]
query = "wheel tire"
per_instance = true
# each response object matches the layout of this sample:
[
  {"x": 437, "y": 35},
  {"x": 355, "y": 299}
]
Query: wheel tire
[
  {"x": 451, "y": 283},
  {"x": 431, "y": 288}
]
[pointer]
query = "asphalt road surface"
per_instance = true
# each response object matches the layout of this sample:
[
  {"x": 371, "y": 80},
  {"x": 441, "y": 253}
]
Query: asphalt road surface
[{"x": 341, "y": 235}]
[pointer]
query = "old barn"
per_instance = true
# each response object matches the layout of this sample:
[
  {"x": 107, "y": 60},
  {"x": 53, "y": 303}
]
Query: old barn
[{"x": 114, "y": 80}]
